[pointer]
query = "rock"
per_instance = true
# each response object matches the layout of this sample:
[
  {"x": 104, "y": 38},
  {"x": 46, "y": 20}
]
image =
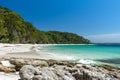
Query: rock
[
  {"x": 71, "y": 70},
  {"x": 18, "y": 63},
  {"x": 38, "y": 77},
  {"x": 37, "y": 69},
  {"x": 110, "y": 68},
  {"x": 78, "y": 76},
  {"x": 57, "y": 73},
  {"x": 51, "y": 62},
  {"x": 27, "y": 72},
  {"x": 6, "y": 63},
  {"x": 7, "y": 69},
  {"x": 118, "y": 75},
  {"x": 40, "y": 63},
  {"x": 63, "y": 72},
  {"x": 78, "y": 65}
]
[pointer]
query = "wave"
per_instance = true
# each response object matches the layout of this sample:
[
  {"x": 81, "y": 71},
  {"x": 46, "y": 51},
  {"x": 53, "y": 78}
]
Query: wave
[
  {"x": 86, "y": 61},
  {"x": 88, "y": 54}
]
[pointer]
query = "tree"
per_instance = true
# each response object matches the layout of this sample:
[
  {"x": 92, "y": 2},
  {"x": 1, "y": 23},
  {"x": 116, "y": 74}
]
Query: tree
[{"x": 13, "y": 29}]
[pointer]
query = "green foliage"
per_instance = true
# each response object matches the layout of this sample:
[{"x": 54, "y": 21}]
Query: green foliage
[
  {"x": 66, "y": 38},
  {"x": 13, "y": 29}
]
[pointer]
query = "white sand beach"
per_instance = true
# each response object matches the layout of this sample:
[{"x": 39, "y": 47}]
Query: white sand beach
[
  {"x": 23, "y": 51},
  {"x": 29, "y": 51},
  {"x": 10, "y": 76},
  {"x": 13, "y": 50}
]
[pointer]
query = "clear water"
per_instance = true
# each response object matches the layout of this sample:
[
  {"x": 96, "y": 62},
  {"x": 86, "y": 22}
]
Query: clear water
[{"x": 90, "y": 52}]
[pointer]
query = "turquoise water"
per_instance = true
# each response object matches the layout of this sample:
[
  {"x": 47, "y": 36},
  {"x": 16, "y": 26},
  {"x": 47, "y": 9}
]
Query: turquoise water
[{"x": 102, "y": 53}]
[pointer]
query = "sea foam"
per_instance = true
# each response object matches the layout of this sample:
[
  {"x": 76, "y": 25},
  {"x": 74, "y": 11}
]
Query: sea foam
[{"x": 86, "y": 61}]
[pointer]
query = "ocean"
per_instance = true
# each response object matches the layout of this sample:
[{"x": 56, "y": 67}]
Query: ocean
[{"x": 88, "y": 54}]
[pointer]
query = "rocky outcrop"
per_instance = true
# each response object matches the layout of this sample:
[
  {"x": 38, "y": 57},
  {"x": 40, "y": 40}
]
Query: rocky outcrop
[
  {"x": 18, "y": 63},
  {"x": 45, "y": 73},
  {"x": 62, "y": 72},
  {"x": 7, "y": 69},
  {"x": 38, "y": 69}
]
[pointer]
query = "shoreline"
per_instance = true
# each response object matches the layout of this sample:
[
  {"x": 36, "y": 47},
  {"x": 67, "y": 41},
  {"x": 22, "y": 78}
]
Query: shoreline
[
  {"x": 26, "y": 54},
  {"x": 31, "y": 51}
]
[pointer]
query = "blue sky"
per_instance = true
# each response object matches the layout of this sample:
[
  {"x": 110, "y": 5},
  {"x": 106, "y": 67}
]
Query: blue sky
[{"x": 97, "y": 20}]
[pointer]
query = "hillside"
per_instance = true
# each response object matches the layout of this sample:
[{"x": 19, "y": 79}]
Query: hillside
[{"x": 14, "y": 29}]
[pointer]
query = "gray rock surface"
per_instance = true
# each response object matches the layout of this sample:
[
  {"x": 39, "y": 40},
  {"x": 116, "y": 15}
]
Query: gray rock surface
[
  {"x": 62, "y": 72},
  {"x": 27, "y": 72},
  {"x": 37, "y": 69}
]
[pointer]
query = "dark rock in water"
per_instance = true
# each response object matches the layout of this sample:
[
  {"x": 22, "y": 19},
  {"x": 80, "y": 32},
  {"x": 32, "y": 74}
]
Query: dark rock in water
[
  {"x": 113, "y": 61},
  {"x": 110, "y": 68}
]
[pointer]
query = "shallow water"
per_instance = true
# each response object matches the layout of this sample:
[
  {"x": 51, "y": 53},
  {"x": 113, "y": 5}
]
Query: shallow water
[{"x": 103, "y": 53}]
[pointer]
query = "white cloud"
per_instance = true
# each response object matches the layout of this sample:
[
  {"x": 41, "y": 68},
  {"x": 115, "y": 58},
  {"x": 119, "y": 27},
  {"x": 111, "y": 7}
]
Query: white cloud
[{"x": 105, "y": 38}]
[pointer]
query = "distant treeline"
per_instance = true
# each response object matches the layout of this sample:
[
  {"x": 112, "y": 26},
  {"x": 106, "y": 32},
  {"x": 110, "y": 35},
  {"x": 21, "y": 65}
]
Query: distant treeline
[{"x": 13, "y": 29}]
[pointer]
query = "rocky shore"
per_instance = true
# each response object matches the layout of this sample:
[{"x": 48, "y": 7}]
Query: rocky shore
[{"x": 39, "y": 69}]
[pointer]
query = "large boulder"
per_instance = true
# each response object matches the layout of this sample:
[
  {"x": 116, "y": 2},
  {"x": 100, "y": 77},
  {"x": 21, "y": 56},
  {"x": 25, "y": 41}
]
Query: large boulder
[{"x": 27, "y": 72}]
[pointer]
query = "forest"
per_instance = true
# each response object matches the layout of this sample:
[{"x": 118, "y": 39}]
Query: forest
[{"x": 14, "y": 29}]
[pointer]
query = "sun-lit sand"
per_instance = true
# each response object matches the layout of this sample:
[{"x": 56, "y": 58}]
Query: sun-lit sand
[
  {"x": 29, "y": 51},
  {"x": 10, "y": 76},
  {"x": 13, "y": 50},
  {"x": 24, "y": 51}
]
